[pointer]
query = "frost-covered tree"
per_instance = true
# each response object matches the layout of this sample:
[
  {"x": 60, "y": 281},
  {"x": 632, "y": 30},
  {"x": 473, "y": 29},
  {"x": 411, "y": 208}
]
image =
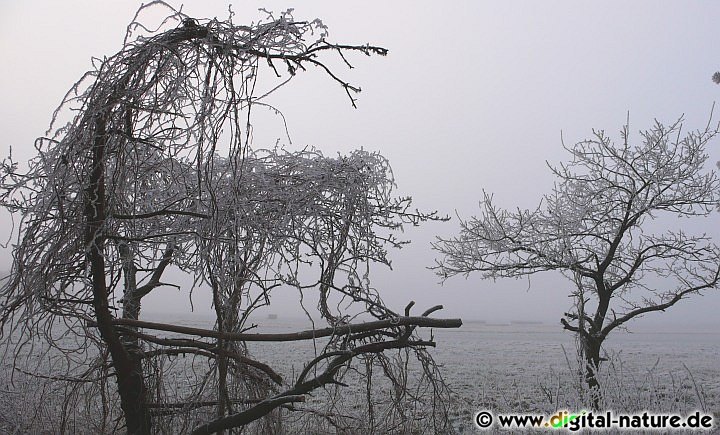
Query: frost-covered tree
[
  {"x": 601, "y": 228},
  {"x": 150, "y": 166}
]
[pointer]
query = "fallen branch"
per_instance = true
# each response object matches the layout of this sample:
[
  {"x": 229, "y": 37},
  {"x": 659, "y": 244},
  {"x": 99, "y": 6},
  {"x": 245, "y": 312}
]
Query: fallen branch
[{"x": 424, "y": 322}]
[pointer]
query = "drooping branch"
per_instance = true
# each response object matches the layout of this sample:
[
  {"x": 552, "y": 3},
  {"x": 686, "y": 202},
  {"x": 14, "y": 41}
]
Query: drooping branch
[
  {"x": 336, "y": 360},
  {"x": 213, "y": 352},
  {"x": 296, "y": 394}
]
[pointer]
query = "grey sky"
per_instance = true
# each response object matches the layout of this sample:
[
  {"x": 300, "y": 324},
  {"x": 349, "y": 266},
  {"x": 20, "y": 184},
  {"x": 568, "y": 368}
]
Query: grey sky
[{"x": 472, "y": 95}]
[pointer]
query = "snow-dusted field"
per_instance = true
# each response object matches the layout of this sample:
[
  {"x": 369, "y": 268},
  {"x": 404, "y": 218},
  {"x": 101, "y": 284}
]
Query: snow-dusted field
[
  {"x": 525, "y": 368},
  {"x": 530, "y": 368}
]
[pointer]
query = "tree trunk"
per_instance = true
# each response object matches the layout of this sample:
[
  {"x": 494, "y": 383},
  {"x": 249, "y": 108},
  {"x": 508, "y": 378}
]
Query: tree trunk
[
  {"x": 592, "y": 341},
  {"x": 131, "y": 310},
  {"x": 130, "y": 382},
  {"x": 591, "y": 354},
  {"x": 222, "y": 363}
]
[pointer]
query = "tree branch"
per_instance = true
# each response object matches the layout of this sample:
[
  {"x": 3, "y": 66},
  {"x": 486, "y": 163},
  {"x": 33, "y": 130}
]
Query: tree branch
[{"x": 295, "y": 336}]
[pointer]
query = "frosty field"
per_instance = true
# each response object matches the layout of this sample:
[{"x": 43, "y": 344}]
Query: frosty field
[
  {"x": 528, "y": 367},
  {"x": 505, "y": 368}
]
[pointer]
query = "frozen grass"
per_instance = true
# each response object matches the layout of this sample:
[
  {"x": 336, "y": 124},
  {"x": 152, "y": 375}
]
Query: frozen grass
[
  {"x": 626, "y": 389},
  {"x": 31, "y": 406},
  {"x": 503, "y": 370}
]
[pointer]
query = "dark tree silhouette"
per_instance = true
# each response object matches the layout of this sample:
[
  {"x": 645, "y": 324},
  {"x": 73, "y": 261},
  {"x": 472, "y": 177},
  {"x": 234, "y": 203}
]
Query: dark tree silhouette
[{"x": 154, "y": 169}]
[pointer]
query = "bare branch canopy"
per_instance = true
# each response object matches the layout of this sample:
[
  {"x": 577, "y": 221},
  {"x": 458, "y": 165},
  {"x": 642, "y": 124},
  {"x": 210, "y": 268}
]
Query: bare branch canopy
[{"x": 601, "y": 226}]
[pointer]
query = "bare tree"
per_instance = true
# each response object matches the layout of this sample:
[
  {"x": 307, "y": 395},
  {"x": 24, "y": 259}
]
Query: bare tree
[
  {"x": 154, "y": 168},
  {"x": 596, "y": 228}
]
